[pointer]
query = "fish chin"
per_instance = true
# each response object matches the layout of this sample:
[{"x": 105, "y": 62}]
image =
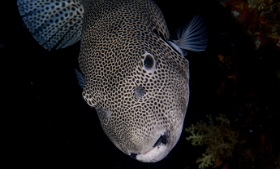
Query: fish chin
[{"x": 154, "y": 155}]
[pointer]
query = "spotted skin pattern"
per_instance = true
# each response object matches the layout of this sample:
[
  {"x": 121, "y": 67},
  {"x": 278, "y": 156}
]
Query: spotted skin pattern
[
  {"x": 137, "y": 82},
  {"x": 117, "y": 35},
  {"x": 53, "y": 23}
]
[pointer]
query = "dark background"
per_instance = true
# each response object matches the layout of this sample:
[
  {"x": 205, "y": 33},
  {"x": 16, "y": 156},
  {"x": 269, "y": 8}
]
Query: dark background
[{"x": 46, "y": 123}]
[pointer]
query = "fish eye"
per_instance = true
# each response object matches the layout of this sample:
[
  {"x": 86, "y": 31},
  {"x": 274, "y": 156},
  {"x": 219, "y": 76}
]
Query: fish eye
[{"x": 148, "y": 61}]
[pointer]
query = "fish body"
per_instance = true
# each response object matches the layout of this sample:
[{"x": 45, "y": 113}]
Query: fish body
[{"x": 134, "y": 75}]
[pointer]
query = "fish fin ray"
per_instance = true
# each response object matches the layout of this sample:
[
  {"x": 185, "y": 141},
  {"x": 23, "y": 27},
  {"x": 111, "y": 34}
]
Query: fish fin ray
[
  {"x": 54, "y": 24},
  {"x": 81, "y": 78},
  {"x": 177, "y": 48},
  {"x": 193, "y": 36}
]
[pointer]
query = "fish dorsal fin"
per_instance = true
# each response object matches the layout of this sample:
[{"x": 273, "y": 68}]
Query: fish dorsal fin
[
  {"x": 193, "y": 36},
  {"x": 54, "y": 24}
]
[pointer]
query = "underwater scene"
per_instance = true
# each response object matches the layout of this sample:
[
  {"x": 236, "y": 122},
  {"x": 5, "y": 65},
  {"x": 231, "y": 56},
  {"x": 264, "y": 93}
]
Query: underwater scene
[{"x": 233, "y": 113}]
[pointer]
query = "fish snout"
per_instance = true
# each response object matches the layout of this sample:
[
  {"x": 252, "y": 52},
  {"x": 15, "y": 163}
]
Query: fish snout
[
  {"x": 157, "y": 151},
  {"x": 161, "y": 141}
]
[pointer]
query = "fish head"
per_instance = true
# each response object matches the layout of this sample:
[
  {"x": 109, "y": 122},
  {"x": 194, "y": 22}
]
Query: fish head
[{"x": 140, "y": 92}]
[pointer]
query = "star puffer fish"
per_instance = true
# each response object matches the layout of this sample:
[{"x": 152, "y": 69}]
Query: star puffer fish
[{"x": 132, "y": 72}]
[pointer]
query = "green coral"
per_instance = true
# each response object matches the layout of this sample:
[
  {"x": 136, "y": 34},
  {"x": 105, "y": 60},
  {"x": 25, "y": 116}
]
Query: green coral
[{"x": 220, "y": 139}]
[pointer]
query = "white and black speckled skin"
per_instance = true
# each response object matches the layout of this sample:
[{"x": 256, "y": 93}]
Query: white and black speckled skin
[{"x": 117, "y": 36}]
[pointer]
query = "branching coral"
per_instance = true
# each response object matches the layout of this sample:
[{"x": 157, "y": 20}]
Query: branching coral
[{"x": 220, "y": 140}]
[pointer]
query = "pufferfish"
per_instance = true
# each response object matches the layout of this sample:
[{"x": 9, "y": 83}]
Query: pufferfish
[{"x": 132, "y": 72}]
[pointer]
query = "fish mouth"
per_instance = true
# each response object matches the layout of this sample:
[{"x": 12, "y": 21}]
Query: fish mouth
[
  {"x": 159, "y": 150},
  {"x": 162, "y": 140}
]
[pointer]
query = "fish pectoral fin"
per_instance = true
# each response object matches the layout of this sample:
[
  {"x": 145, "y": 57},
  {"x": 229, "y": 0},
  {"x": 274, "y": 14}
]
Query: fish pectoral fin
[
  {"x": 81, "y": 78},
  {"x": 54, "y": 24},
  {"x": 193, "y": 36},
  {"x": 177, "y": 48}
]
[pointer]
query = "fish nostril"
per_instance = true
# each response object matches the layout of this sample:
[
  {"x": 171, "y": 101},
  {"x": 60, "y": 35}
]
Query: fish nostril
[
  {"x": 133, "y": 155},
  {"x": 162, "y": 140},
  {"x": 139, "y": 92}
]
